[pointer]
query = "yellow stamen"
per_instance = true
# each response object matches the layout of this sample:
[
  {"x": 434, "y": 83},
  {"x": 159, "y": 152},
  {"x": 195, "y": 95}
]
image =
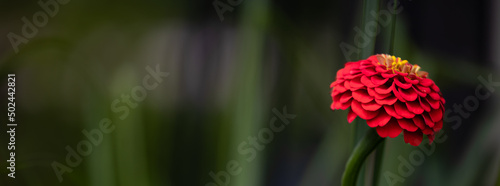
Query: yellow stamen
[{"x": 396, "y": 64}]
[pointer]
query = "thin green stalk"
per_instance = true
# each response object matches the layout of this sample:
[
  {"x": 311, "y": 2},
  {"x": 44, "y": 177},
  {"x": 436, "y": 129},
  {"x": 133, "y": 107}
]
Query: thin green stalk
[
  {"x": 360, "y": 54},
  {"x": 367, "y": 144},
  {"x": 379, "y": 157},
  {"x": 393, "y": 29}
]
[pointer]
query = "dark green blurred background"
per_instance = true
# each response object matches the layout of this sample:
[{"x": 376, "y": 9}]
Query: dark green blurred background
[{"x": 225, "y": 78}]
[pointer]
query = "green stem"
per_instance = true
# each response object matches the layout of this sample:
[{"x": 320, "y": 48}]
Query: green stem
[
  {"x": 393, "y": 29},
  {"x": 378, "y": 163},
  {"x": 367, "y": 144}
]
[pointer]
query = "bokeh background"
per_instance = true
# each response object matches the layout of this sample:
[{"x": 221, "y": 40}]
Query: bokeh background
[{"x": 226, "y": 77}]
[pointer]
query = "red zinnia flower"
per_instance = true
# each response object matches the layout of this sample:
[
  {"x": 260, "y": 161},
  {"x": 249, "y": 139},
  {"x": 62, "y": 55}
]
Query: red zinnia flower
[{"x": 392, "y": 96}]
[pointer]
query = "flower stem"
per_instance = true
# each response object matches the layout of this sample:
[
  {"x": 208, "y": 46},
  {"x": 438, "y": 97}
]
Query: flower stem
[
  {"x": 379, "y": 157},
  {"x": 393, "y": 29},
  {"x": 365, "y": 146}
]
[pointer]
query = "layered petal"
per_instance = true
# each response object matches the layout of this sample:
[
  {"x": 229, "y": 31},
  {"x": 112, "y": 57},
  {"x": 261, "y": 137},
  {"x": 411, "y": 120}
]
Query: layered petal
[
  {"x": 351, "y": 116},
  {"x": 390, "y": 110},
  {"x": 380, "y": 120},
  {"x": 414, "y": 106},
  {"x": 362, "y": 96},
  {"x": 402, "y": 110},
  {"x": 391, "y": 129},
  {"x": 371, "y": 106},
  {"x": 413, "y": 138},
  {"x": 362, "y": 113},
  {"x": 407, "y": 124}
]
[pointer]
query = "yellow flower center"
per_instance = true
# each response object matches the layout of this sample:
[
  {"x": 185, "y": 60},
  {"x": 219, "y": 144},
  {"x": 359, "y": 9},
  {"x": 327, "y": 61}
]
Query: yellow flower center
[{"x": 397, "y": 64}]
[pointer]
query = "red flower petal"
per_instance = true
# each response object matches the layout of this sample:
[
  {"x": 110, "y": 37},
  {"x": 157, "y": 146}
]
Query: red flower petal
[
  {"x": 420, "y": 93},
  {"x": 347, "y": 68},
  {"x": 340, "y": 88},
  {"x": 438, "y": 126},
  {"x": 402, "y": 85},
  {"x": 407, "y": 124},
  {"x": 377, "y": 80},
  {"x": 433, "y": 103},
  {"x": 390, "y": 110},
  {"x": 408, "y": 94},
  {"x": 347, "y": 84},
  {"x": 427, "y": 119},
  {"x": 362, "y": 96},
  {"x": 401, "y": 73},
  {"x": 414, "y": 106},
  {"x": 427, "y": 131},
  {"x": 419, "y": 122},
  {"x": 345, "y": 105},
  {"x": 365, "y": 63},
  {"x": 369, "y": 71},
  {"x": 335, "y": 93},
  {"x": 423, "y": 89},
  {"x": 346, "y": 97},
  {"x": 371, "y": 106},
  {"x": 391, "y": 129},
  {"x": 426, "y": 82},
  {"x": 412, "y": 81},
  {"x": 397, "y": 94},
  {"x": 384, "y": 89},
  {"x": 402, "y": 110},
  {"x": 377, "y": 95},
  {"x": 424, "y": 104},
  {"x": 374, "y": 59},
  {"x": 340, "y": 74},
  {"x": 435, "y": 96},
  {"x": 335, "y": 105},
  {"x": 333, "y": 84},
  {"x": 435, "y": 88},
  {"x": 351, "y": 116},
  {"x": 387, "y": 101},
  {"x": 371, "y": 92},
  {"x": 366, "y": 81},
  {"x": 388, "y": 75},
  {"x": 356, "y": 83},
  {"x": 351, "y": 68},
  {"x": 352, "y": 76},
  {"x": 381, "y": 120},
  {"x": 436, "y": 115},
  {"x": 362, "y": 113},
  {"x": 381, "y": 69},
  {"x": 413, "y": 138}
]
